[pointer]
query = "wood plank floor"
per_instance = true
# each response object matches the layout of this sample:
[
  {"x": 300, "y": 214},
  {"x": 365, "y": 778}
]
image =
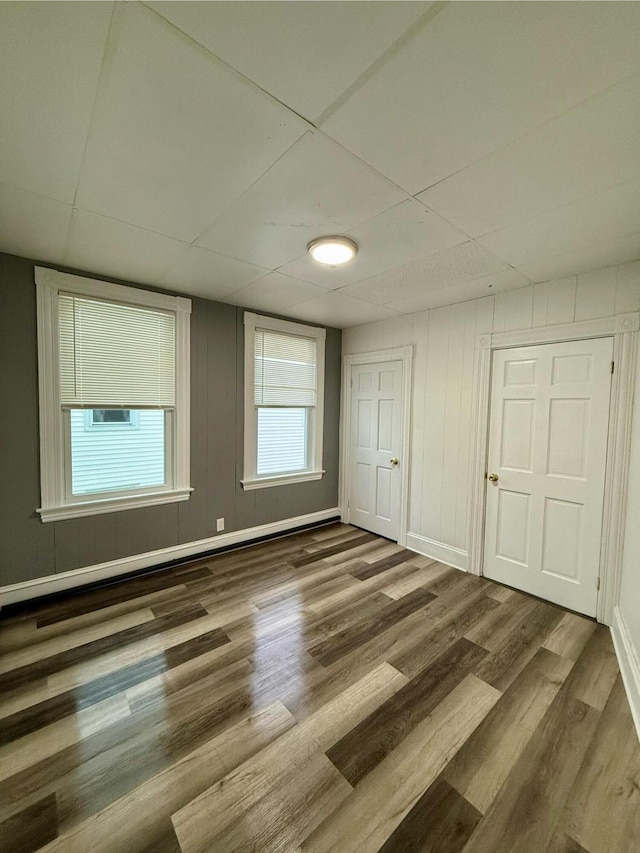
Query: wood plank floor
[{"x": 327, "y": 691}]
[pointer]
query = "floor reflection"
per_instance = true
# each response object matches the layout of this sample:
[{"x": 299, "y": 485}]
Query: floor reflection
[{"x": 279, "y": 640}]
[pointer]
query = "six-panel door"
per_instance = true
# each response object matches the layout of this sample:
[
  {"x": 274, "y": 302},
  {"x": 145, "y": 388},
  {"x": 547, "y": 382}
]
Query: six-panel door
[
  {"x": 547, "y": 453},
  {"x": 375, "y": 441}
]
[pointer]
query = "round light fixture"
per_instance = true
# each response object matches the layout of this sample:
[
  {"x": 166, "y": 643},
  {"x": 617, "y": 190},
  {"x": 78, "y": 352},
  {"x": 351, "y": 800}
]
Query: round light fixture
[{"x": 332, "y": 251}]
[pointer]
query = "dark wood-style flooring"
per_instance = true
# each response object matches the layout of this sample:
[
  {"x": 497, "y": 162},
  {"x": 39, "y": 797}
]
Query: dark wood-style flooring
[{"x": 327, "y": 691}]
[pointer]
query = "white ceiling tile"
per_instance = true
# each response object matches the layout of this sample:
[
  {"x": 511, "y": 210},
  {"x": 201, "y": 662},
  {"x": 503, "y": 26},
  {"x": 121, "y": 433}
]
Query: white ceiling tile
[
  {"x": 336, "y": 309},
  {"x": 176, "y": 136},
  {"x": 475, "y": 289},
  {"x": 276, "y": 293},
  {"x": 602, "y": 217},
  {"x": 397, "y": 236},
  {"x": 208, "y": 274},
  {"x": 315, "y": 188},
  {"x": 480, "y": 75},
  {"x": 305, "y": 54},
  {"x": 461, "y": 263},
  {"x": 32, "y": 225},
  {"x": 574, "y": 156},
  {"x": 535, "y": 107},
  {"x": 592, "y": 257},
  {"x": 113, "y": 248},
  {"x": 50, "y": 58}
]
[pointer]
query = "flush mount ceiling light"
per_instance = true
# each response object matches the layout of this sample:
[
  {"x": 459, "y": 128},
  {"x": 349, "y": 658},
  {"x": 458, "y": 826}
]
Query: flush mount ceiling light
[{"x": 332, "y": 251}]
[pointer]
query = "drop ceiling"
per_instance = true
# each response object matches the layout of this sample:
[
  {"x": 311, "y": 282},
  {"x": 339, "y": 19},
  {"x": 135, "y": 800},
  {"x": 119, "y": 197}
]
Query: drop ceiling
[{"x": 468, "y": 148}]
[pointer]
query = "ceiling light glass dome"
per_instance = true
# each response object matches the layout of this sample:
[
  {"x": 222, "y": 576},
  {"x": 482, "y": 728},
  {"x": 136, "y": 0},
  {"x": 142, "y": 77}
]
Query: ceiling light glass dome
[{"x": 332, "y": 251}]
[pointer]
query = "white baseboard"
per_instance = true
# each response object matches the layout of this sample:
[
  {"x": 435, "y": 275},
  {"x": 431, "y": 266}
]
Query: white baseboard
[
  {"x": 629, "y": 663},
  {"x": 103, "y": 571},
  {"x": 455, "y": 557}
]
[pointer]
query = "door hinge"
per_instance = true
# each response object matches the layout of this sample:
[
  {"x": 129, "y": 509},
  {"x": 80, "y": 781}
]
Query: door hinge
[
  {"x": 351, "y": 382},
  {"x": 613, "y": 364},
  {"x": 348, "y": 504},
  {"x": 598, "y": 585}
]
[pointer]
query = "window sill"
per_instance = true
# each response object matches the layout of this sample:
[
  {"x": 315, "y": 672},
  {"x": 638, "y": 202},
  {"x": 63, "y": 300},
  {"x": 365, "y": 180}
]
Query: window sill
[
  {"x": 281, "y": 480},
  {"x": 85, "y": 508}
]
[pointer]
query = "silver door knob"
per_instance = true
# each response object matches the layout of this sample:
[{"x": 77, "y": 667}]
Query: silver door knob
[
  {"x": 394, "y": 461},
  {"x": 493, "y": 478}
]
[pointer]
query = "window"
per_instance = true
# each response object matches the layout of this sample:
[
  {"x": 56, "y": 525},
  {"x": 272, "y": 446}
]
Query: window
[
  {"x": 114, "y": 396},
  {"x": 284, "y": 395},
  {"x": 111, "y": 416}
]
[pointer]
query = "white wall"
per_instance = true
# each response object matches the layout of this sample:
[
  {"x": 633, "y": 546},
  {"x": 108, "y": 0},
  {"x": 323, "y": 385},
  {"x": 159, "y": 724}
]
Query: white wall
[
  {"x": 626, "y": 624},
  {"x": 630, "y": 590},
  {"x": 444, "y": 341}
]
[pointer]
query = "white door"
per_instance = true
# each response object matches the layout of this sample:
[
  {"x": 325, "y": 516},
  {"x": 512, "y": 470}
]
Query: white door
[
  {"x": 546, "y": 466},
  {"x": 375, "y": 447}
]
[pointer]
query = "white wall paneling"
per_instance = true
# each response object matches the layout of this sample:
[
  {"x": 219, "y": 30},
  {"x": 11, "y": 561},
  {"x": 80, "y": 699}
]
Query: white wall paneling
[
  {"x": 439, "y": 378},
  {"x": 626, "y": 623},
  {"x": 442, "y": 402},
  {"x": 596, "y": 294},
  {"x": 446, "y": 425},
  {"x": 628, "y": 288},
  {"x": 620, "y": 425},
  {"x": 554, "y": 302},
  {"x": 629, "y": 663},
  {"x": 417, "y": 440},
  {"x": 456, "y": 557}
]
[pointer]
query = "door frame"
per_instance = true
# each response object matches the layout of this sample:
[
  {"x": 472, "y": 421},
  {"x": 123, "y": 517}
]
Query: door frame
[
  {"x": 623, "y": 329},
  {"x": 405, "y": 355}
]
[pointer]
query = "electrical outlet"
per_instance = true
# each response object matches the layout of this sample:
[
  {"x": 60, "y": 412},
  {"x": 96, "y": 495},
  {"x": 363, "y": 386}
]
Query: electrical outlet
[{"x": 220, "y": 524}]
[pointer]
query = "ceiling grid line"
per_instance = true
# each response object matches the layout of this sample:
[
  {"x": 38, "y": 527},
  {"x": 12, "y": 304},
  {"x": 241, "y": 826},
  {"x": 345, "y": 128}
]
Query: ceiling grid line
[
  {"x": 169, "y": 145},
  {"x": 232, "y": 69},
  {"x": 553, "y": 120},
  {"x": 113, "y": 35},
  {"x": 381, "y": 61}
]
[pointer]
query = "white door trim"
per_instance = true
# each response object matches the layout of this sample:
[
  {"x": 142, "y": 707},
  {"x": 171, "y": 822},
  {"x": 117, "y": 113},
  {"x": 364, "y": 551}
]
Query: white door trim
[
  {"x": 623, "y": 328},
  {"x": 404, "y": 354}
]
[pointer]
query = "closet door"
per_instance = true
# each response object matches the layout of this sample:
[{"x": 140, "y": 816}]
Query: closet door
[{"x": 549, "y": 418}]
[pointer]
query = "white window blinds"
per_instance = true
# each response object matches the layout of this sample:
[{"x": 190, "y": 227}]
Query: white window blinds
[
  {"x": 114, "y": 354},
  {"x": 285, "y": 369}
]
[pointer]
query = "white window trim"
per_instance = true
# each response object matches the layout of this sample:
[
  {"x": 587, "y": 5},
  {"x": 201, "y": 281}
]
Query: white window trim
[
  {"x": 55, "y": 505},
  {"x": 315, "y": 471}
]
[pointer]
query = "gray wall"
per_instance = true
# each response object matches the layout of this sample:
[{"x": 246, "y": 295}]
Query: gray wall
[{"x": 31, "y": 549}]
